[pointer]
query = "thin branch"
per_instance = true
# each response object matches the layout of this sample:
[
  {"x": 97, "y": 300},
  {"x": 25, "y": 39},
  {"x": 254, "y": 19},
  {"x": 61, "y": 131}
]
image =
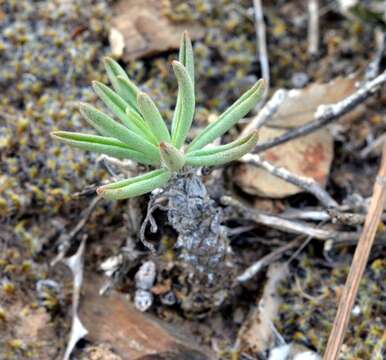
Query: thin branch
[
  {"x": 306, "y": 184},
  {"x": 78, "y": 331},
  {"x": 292, "y": 227},
  {"x": 380, "y": 241},
  {"x": 332, "y": 238},
  {"x": 65, "y": 240},
  {"x": 266, "y": 113},
  {"x": 335, "y": 215},
  {"x": 313, "y": 27},
  {"x": 326, "y": 114},
  {"x": 373, "y": 146},
  {"x": 127, "y": 167},
  {"x": 305, "y": 214},
  {"x": 262, "y": 44},
  {"x": 300, "y": 249},
  {"x": 268, "y": 259},
  {"x": 373, "y": 68},
  {"x": 358, "y": 265}
]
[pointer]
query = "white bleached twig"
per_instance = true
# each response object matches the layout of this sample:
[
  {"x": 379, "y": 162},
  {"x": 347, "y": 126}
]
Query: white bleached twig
[
  {"x": 313, "y": 27},
  {"x": 256, "y": 267},
  {"x": 326, "y": 114},
  {"x": 307, "y": 184},
  {"x": 262, "y": 44},
  {"x": 373, "y": 68},
  {"x": 78, "y": 331},
  {"x": 266, "y": 113}
]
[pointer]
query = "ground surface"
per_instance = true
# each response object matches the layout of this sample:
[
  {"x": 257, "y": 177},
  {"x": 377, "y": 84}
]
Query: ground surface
[{"x": 50, "y": 51}]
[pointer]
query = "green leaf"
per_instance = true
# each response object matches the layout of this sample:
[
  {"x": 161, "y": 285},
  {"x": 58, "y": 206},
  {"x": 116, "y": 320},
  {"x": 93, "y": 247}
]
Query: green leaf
[
  {"x": 137, "y": 118},
  {"x": 222, "y": 154},
  {"x": 114, "y": 102},
  {"x": 171, "y": 157},
  {"x": 136, "y": 186},
  {"x": 186, "y": 57},
  {"x": 230, "y": 117},
  {"x": 153, "y": 117},
  {"x": 125, "y": 88},
  {"x": 109, "y": 127},
  {"x": 114, "y": 70},
  {"x": 128, "y": 90},
  {"x": 118, "y": 106},
  {"x": 184, "y": 111},
  {"x": 102, "y": 145}
]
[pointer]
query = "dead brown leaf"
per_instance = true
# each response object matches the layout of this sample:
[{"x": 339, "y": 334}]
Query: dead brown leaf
[
  {"x": 300, "y": 105},
  {"x": 308, "y": 156},
  {"x": 145, "y": 30}
]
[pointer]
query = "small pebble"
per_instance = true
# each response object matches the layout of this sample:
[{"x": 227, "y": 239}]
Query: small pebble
[
  {"x": 168, "y": 299},
  {"x": 145, "y": 276},
  {"x": 299, "y": 80},
  {"x": 143, "y": 300},
  {"x": 111, "y": 264}
]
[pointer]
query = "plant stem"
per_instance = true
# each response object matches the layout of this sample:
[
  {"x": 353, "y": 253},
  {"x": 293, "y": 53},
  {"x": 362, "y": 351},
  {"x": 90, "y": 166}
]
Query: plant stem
[{"x": 358, "y": 265}]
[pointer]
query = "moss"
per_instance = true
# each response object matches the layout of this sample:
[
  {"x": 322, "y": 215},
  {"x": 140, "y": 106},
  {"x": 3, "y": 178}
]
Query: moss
[
  {"x": 309, "y": 321},
  {"x": 46, "y": 69}
]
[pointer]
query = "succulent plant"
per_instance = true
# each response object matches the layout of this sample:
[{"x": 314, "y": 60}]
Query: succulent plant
[{"x": 142, "y": 134}]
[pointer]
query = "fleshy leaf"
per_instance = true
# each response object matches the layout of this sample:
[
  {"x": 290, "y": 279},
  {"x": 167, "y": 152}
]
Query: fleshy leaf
[
  {"x": 118, "y": 77},
  {"x": 114, "y": 70},
  {"x": 229, "y": 118},
  {"x": 129, "y": 117},
  {"x": 137, "y": 118},
  {"x": 222, "y": 154},
  {"x": 153, "y": 117},
  {"x": 186, "y": 56},
  {"x": 184, "y": 111},
  {"x": 171, "y": 157},
  {"x": 102, "y": 145},
  {"x": 116, "y": 104},
  {"x": 135, "y": 186},
  {"x": 109, "y": 127},
  {"x": 128, "y": 90}
]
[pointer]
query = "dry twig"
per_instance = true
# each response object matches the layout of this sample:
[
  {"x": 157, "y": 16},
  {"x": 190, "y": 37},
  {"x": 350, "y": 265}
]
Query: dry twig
[
  {"x": 78, "y": 331},
  {"x": 335, "y": 215},
  {"x": 358, "y": 265},
  {"x": 262, "y": 44},
  {"x": 373, "y": 68},
  {"x": 326, "y": 114},
  {"x": 373, "y": 146},
  {"x": 268, "y": 259},
  {"x": 65, "y": 240},
  {"x": 266, "y": 113},
  {"x": 307, "y": 184},
  {"x": 292, "y": 227},
  {"x": 313, "y": 27}
]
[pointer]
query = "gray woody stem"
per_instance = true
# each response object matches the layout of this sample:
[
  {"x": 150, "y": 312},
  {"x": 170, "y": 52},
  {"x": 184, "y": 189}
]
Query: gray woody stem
[{"x": 325, "y": 114}]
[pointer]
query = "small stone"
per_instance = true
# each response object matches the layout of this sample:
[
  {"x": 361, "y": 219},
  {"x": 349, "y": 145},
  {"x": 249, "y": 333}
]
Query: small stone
[
  {"x": 143, "y": 300},
  {"x": 112, "y": 264},
  {"x": 145, "y": 276},
  {"x": 168, "y": 299},
  {"x": 299, "y": 80}
]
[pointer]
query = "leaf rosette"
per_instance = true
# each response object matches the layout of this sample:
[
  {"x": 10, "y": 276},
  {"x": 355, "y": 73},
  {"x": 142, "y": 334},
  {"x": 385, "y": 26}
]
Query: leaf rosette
[{"x": 140, "y": 133}]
